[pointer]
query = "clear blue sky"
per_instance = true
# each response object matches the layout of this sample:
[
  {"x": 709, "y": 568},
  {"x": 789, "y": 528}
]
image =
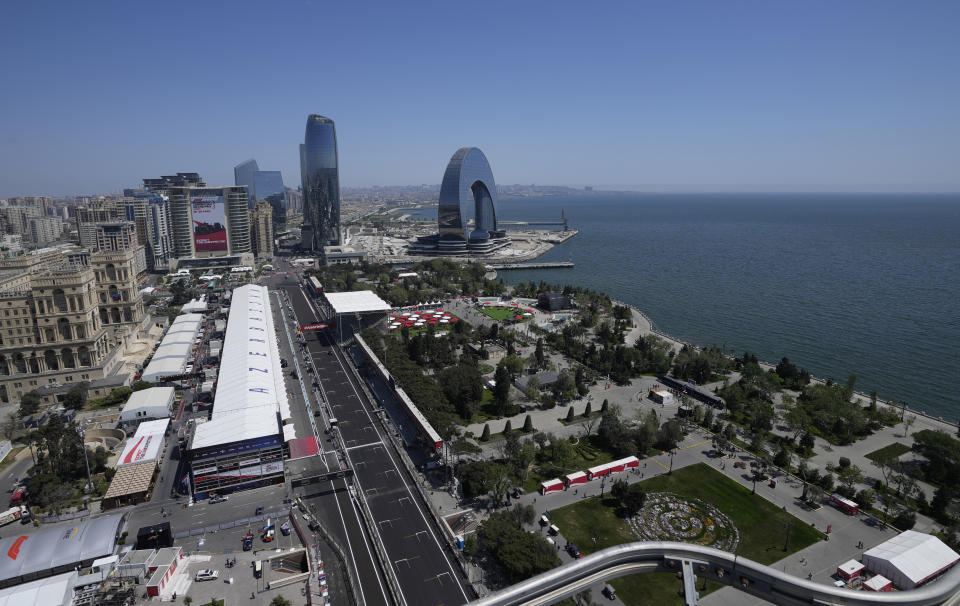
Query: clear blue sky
[{"x": 688, "y": 96}]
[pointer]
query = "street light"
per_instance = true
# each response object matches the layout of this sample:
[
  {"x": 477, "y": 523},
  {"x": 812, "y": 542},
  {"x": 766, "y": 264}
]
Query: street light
[{"x": 82, "y": 432}]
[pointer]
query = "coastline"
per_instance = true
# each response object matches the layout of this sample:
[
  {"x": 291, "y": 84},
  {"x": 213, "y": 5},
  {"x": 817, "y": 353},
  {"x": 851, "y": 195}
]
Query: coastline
[{"x": 861, "y": 397}]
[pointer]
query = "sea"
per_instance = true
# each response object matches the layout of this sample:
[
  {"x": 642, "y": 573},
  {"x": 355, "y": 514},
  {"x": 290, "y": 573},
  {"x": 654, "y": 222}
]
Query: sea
[{"x": 840, "y": 284}]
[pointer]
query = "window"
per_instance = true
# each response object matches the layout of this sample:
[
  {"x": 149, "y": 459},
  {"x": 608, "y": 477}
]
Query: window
[{"x": 33, "y": 382}]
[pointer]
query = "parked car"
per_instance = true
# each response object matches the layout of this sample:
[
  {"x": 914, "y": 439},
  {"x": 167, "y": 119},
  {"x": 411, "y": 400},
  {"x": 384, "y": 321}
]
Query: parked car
[
  {"x": 573, "y": 551},
  {"x": 610, "y": 592},
  {"x": 217, "y": 498},
  {"x": 259, "y": 510},
  {"x": 206, "y": 575},
  {"x": 269, "y": 535},
  {"x": 248, "y": 541}
]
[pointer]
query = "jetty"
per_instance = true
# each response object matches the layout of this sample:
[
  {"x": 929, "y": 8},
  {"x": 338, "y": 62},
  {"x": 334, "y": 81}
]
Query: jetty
[{"x": 544, "y": 265}]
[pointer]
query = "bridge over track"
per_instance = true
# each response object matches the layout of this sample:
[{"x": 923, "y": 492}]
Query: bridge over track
[{"x": 706, "y": 562}]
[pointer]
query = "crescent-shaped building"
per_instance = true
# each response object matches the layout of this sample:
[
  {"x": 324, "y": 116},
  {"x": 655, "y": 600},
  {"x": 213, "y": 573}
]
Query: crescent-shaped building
[{"x": 467, "y": 213}]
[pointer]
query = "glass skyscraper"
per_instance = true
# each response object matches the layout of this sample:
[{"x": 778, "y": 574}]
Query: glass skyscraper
[
  {"x": 321, "y": 185},
  {"x": 245, "y": 174},
  {"x": 263, "y": 185}
]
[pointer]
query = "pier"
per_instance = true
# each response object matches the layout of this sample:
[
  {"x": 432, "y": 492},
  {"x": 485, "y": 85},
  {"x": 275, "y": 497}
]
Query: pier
[{"x": 546, "y": 265}]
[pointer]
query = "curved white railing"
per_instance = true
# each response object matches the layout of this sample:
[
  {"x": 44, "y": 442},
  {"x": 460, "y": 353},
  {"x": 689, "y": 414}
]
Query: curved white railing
[{"x": 706, "y": 562}]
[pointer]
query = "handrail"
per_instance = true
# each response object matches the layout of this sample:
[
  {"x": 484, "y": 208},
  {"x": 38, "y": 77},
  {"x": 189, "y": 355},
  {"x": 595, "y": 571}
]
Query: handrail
[{"x": 741, "y": 573}]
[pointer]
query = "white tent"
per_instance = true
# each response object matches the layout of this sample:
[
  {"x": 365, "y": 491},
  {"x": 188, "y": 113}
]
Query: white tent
[
  {"x": 910, "y": 558},
  {"x": 175, "y": 350},
  {"x": 250, "y": 389},
  {"x": 360, "y": 301}
]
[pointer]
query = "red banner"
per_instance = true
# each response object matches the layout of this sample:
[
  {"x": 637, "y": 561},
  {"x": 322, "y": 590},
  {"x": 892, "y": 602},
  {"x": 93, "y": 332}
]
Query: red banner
[{"x": 317, "y": 326}]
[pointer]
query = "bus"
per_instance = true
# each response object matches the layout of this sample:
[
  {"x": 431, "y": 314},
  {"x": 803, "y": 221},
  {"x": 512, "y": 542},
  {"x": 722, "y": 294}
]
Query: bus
[
  {"x": 13, "y": 514},
  {"x": 315, "y": 286}
]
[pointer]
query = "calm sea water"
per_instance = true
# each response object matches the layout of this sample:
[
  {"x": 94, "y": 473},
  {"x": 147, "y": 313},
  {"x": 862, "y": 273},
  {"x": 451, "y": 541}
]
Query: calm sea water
[{"x": 840, "y": 284}]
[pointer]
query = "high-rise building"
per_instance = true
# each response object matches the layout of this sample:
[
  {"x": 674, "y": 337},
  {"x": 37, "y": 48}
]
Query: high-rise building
[
  {"x": 245, "y": 174},
  {"x": 16, "y": 219},
  {"x": 116, "y": 235},
  {"x": 44, "y": 230},
  {"x": 209, "y": 221},
  {"x": 178, "y": 180},
  {"x": 263, "y": 185},
  {"x": 148, "y": 211},
  {"x": 261, "y": 228},
  {"x": 321, "y": 185},
  {"x": 467, "y": 192},
  {"x": 89, "y": 216}
]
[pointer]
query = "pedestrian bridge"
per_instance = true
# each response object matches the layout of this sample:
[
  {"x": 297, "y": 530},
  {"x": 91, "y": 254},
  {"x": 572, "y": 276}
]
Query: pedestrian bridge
[{"x": 692, "y": 561}]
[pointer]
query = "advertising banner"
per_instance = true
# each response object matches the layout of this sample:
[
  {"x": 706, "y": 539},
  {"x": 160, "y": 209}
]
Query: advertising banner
[{"x": 209, "y": 224}]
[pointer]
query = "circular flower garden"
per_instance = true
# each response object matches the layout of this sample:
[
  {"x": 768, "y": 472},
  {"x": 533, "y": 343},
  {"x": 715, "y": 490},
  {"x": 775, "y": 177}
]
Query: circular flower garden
[{"x": 669, "y": 517}]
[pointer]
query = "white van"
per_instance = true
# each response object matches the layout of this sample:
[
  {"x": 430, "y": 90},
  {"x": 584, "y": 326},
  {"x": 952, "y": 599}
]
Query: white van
[
  {"x": 553, "y": 529},
  {"x": 551, "y": 541}
]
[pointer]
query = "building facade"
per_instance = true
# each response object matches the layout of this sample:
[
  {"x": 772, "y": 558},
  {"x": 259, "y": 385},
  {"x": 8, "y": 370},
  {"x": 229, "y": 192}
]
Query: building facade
[
  {"x": 89, "y": 216},
  {"x": 467, "y": 192},
  {"x": 263, "y": 185},
  {"x": 51, "y": 332},
  {"x": 66, "y": 315},
  {"x": 261, "y": 228},
  {"x": 321, "y": 185},
  {"x": 44, "y": 230},
  {"x": 209, "y": 221},
  {"x": 116, "y": 235}
]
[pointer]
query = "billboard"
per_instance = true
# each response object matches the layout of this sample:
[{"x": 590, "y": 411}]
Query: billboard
[{"x": 209, "y": 224}]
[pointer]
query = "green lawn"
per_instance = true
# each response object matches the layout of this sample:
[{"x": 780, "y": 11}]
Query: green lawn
[
  {"x": 762, "y": 528},
  {"x": 896, "y": 449},
  {"x": 502, "y": 313}
]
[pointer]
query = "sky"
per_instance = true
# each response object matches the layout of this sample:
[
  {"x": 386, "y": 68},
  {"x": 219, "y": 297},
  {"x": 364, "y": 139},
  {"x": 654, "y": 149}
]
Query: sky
[{"x": 671, "y": 96}]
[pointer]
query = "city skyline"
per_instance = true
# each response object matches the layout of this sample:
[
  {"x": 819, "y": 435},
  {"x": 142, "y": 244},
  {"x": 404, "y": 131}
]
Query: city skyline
[{"x": 699, "y": 97}]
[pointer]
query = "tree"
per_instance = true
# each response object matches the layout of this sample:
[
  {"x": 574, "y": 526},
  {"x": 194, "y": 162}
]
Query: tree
[
  {"x": 562, "y": 453},
  {"x": 539, "y": 356},
  {"x": 187, "y": 600},
  {"x": 605, "y": 406},
  {"x": 501, "y": 388},
  {"x": 507, "y": 428},
  {"x": 588, "y": 410},
  {"x": 76, "y": 397},
  {"x": 280, "y": 601},
  {"x": 619, "y": 490},
  {"x": 9, "y": 427},
  {"x": 486, "y": 433},
  {"x": 848, "y": 476},
  {"x": 29, "y": 403},
  {"x": 528, "y": 424},
  {"x": 669, "y": 435},
  {"x": 634, "y": 500},
  {"x": 570, "y": 415},
  {"x": 905, "y": 520},
  {"x": 907, "y": 422}
]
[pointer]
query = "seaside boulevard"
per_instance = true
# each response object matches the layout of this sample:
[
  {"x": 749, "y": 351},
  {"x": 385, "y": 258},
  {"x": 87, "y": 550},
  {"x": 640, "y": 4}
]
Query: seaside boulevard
[{"x": 819, "y": 560}]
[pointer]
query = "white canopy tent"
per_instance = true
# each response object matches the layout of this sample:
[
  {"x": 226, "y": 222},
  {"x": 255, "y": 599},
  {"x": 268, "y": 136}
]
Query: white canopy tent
[
  {"x": 910, "y": 558},
  {"x": 355, "y": 302}
]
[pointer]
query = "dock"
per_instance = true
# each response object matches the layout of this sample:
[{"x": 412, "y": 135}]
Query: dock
[{"x": 546, "y": 265}]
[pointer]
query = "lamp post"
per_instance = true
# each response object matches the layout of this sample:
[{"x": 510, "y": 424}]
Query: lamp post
[
  {"x": 82, "y": 432},
  {"x": 671, "y": 461}
]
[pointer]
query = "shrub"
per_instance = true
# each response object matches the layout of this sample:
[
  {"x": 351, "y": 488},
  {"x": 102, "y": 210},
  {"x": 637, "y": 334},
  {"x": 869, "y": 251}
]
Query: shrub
[{"x": 486, "y": 433}]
